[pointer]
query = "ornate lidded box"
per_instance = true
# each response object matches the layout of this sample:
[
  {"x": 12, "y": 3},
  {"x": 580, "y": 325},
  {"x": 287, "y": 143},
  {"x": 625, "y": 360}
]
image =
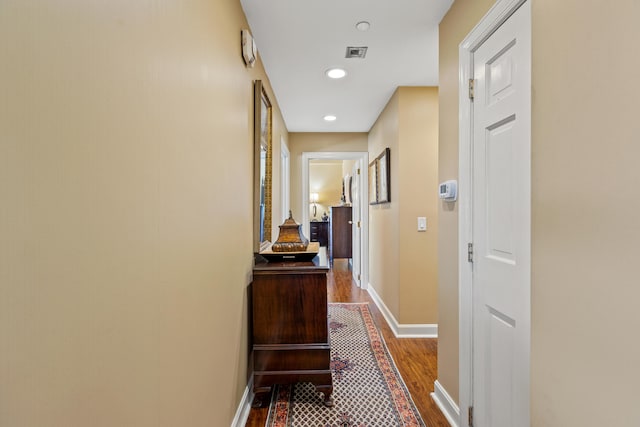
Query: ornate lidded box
[
  {"x": 291, "y": 244},
  {"x": 291, "y": 238}
]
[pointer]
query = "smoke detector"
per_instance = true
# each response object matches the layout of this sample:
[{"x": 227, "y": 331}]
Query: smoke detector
[{"x": 356, "y": 52}]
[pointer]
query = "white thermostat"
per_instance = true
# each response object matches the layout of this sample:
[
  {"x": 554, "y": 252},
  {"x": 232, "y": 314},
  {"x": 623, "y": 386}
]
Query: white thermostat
[{"x": 448, "y": 190}]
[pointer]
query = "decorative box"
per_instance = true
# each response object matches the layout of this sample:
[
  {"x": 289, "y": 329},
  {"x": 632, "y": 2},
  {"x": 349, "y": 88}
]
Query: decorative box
[{"x": 291, "y": 238}]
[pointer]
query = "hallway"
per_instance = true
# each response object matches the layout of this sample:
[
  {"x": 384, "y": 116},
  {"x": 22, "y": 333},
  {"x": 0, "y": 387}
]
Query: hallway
[{"x": 415, "y": 358}]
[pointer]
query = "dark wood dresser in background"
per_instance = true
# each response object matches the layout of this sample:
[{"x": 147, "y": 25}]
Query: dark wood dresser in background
[
  {"x": 319, "y": 232},
  {"x": 290, "y": 326},
  {"x": 341, "y": 229}
]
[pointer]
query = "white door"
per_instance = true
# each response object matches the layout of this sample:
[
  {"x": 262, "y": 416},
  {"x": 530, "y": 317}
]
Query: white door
[
  {"x": 357, "y": 223},
  {"x": 501, "y": 224}
]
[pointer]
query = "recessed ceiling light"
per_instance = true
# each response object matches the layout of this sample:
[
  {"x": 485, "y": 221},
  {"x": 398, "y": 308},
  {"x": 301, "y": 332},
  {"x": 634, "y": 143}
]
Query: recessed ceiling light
[
  {"x": 336, "y": 73},
  {"x": 330, "y": 118},
  {"x": 363, "y": 26}
]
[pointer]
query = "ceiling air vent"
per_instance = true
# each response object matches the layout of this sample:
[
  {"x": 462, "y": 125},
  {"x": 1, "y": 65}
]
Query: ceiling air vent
[{"x": 356, "y": 52}]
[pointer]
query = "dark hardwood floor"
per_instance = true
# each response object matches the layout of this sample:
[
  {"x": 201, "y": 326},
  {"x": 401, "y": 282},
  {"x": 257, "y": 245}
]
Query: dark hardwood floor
[{"x": 416, "y": 358}]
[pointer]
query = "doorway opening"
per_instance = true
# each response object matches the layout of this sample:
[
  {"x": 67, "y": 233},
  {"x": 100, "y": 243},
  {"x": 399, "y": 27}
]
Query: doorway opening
[{"x": 359, "y": 207}]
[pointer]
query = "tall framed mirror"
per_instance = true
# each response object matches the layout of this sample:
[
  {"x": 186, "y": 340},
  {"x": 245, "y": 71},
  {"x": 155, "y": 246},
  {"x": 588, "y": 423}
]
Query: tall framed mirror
[{"x": 262, "y": 161}]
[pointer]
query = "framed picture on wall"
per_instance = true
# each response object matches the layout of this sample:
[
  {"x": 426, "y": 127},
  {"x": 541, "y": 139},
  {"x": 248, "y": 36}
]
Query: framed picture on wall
[
  {"x": 373, "y": 183},
  {"x": 384, "y": 177}
]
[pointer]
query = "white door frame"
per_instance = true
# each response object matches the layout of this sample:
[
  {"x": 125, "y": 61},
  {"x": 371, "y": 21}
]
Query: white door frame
[
  {"x": 498, "y": 13},
  {"x": 363, "y": 159},
  {"x": 285, "y": 179}
]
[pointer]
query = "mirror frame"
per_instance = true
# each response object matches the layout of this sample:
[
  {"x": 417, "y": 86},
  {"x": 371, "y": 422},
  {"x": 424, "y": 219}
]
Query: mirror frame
[{"x": 262, "y": 135}]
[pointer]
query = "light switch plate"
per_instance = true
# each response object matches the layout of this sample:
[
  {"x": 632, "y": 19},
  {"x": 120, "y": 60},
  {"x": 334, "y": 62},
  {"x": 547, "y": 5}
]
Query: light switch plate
[{"x": 422, "y": 223}]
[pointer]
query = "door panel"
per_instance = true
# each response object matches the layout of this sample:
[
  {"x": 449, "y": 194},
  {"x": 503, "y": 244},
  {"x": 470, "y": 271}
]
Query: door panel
[
  {"x": 499, "y": 164},
  {"x": 501, "y": 340},
  {"x": 501, "y": 225}
]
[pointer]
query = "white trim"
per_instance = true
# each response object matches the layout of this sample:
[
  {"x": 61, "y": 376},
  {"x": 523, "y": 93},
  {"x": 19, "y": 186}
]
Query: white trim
[
  {"x": 242, "y": 413},
  {"x": 285, "y": 179},
  {"x": 446, "y": 404},
  {"x": 424, "y": 330},
  {"x": 465, "y": 303},
  {"x": 498, "y": 13},
  {"x": 363, "y": 158}
]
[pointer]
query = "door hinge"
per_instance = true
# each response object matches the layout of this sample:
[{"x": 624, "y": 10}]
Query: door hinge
[
  {"x": 358, "y": 224},
  {"x": 472, "y": 84},
  {"x": 470, "y": 416},
  {"x": 470, "y": 252},
  {"x": 358, "y": 171},
  {"x": 358, "y": 276}
]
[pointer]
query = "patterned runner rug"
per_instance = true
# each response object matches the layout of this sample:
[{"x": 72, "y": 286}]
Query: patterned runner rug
[{"x": 367, "y": 387}]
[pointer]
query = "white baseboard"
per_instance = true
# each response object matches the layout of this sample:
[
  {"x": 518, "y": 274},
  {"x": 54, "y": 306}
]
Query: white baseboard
[
  {"x": 242, "y": 413},
  {"x": 425, "y": 330},
  {"x": 446, "y": 404}
]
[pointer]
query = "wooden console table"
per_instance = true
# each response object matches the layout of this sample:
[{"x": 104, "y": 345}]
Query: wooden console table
[{"x": 290, "y": 326}]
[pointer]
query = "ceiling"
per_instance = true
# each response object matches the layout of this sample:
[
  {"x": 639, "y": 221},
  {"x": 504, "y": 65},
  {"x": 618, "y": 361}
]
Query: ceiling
[{"x": 298, "y": 40}]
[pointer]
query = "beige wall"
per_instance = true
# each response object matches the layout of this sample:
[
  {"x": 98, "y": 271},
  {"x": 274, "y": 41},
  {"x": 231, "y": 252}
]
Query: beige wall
[
  {"x": 584, "y": 280},
  {"x": 585, "y": 286},
  {"x": 384, "y": 227},
  {"x": 125, "y": 171},
  {"x": 403, "y": 261},
  {"x": 347, "y": 167},
  {"x": 301, "y": 142},
  {"x": 454, "y": 27}
]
